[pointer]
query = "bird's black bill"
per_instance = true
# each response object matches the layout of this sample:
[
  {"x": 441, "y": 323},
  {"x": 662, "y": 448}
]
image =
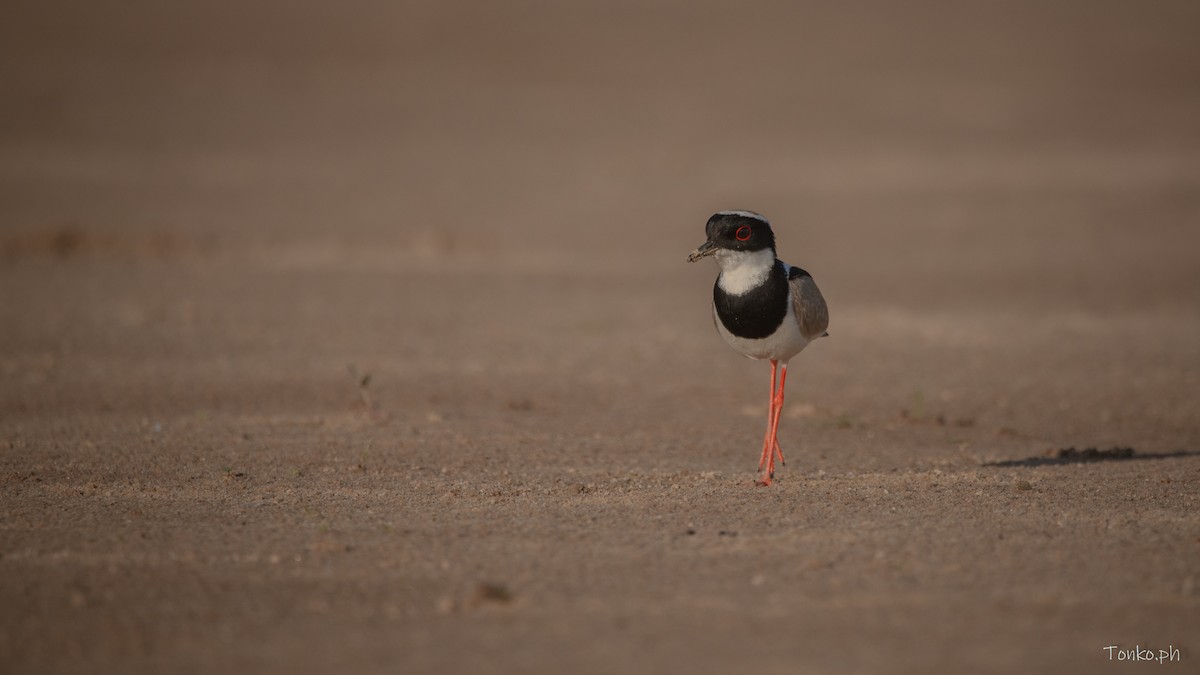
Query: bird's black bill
[{"x": 707, "y": 248}]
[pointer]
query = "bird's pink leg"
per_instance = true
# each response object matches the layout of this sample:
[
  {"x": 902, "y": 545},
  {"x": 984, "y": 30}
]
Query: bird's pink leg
[
  {"x": 777, "y": 402},
  {"x": 771, "y": 448},
  {"x": 766, "y": 455}
]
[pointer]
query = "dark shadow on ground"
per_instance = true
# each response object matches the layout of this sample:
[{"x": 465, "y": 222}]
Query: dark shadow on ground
[{"x": 1074, "y": 456}]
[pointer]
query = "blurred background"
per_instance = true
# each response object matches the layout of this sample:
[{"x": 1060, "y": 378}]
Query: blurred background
[
  {"x": 592, "y": 134},
  {"x": 407, "y": 180}
]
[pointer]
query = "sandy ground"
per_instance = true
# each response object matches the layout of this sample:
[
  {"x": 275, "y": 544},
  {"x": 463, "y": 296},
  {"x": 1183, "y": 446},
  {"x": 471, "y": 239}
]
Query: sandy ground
[{"x": 361, "y": 339}]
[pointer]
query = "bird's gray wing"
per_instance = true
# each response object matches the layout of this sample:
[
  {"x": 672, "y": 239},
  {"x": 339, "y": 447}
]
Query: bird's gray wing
[{"x": 811, "y": 312}]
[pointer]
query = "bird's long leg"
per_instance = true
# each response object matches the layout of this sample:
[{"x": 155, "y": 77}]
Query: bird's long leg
[
  {"x": 771, "y": 448},
  {"x": 777, "y": 404},
  {"x": 765, "y": 457}
]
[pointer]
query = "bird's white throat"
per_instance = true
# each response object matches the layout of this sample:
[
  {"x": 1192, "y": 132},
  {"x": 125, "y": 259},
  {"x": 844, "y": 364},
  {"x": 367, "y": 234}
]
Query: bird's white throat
[{"x": 742, "y": 271}]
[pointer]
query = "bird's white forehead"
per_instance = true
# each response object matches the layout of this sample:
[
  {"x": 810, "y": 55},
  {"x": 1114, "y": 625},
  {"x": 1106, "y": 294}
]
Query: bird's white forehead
[{"x": 744, "y": 214}]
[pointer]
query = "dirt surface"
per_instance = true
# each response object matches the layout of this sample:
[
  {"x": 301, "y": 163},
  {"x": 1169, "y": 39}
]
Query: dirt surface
[{"x": 362, "y": 340}]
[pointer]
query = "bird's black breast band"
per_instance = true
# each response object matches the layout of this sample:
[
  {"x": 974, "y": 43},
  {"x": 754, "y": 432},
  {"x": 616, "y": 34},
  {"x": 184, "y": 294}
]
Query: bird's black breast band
[{"x": 758, "y": 312}]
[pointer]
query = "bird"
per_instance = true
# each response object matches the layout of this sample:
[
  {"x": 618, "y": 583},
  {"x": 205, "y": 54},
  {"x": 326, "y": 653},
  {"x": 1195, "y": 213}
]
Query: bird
[{"x": 763, "y": 307}]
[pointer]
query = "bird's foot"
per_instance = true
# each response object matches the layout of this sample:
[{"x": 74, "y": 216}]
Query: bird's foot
[
  {"x": 766, "y": 461},
  {"x": 766, "y": 475}
]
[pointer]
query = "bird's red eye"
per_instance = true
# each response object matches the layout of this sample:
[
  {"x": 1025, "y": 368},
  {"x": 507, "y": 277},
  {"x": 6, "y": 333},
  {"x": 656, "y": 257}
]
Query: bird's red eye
[{"x": 743, "y": 233}]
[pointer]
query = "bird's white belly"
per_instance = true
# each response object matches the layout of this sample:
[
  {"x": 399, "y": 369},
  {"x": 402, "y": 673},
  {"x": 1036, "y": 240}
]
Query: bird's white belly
[{"x": 782, "y": 345}]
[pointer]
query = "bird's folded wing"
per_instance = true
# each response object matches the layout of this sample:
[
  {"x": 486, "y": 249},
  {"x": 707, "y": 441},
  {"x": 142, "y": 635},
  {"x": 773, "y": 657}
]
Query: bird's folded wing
[{"x": 811, "y": 312}]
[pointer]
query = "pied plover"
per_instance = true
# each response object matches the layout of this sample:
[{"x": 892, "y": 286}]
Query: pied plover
[{"x": 762, "y": 306}]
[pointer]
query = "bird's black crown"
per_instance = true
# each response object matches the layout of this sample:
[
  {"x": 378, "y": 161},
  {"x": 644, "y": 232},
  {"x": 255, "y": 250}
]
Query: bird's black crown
[{"x": 740, "y": 231}]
